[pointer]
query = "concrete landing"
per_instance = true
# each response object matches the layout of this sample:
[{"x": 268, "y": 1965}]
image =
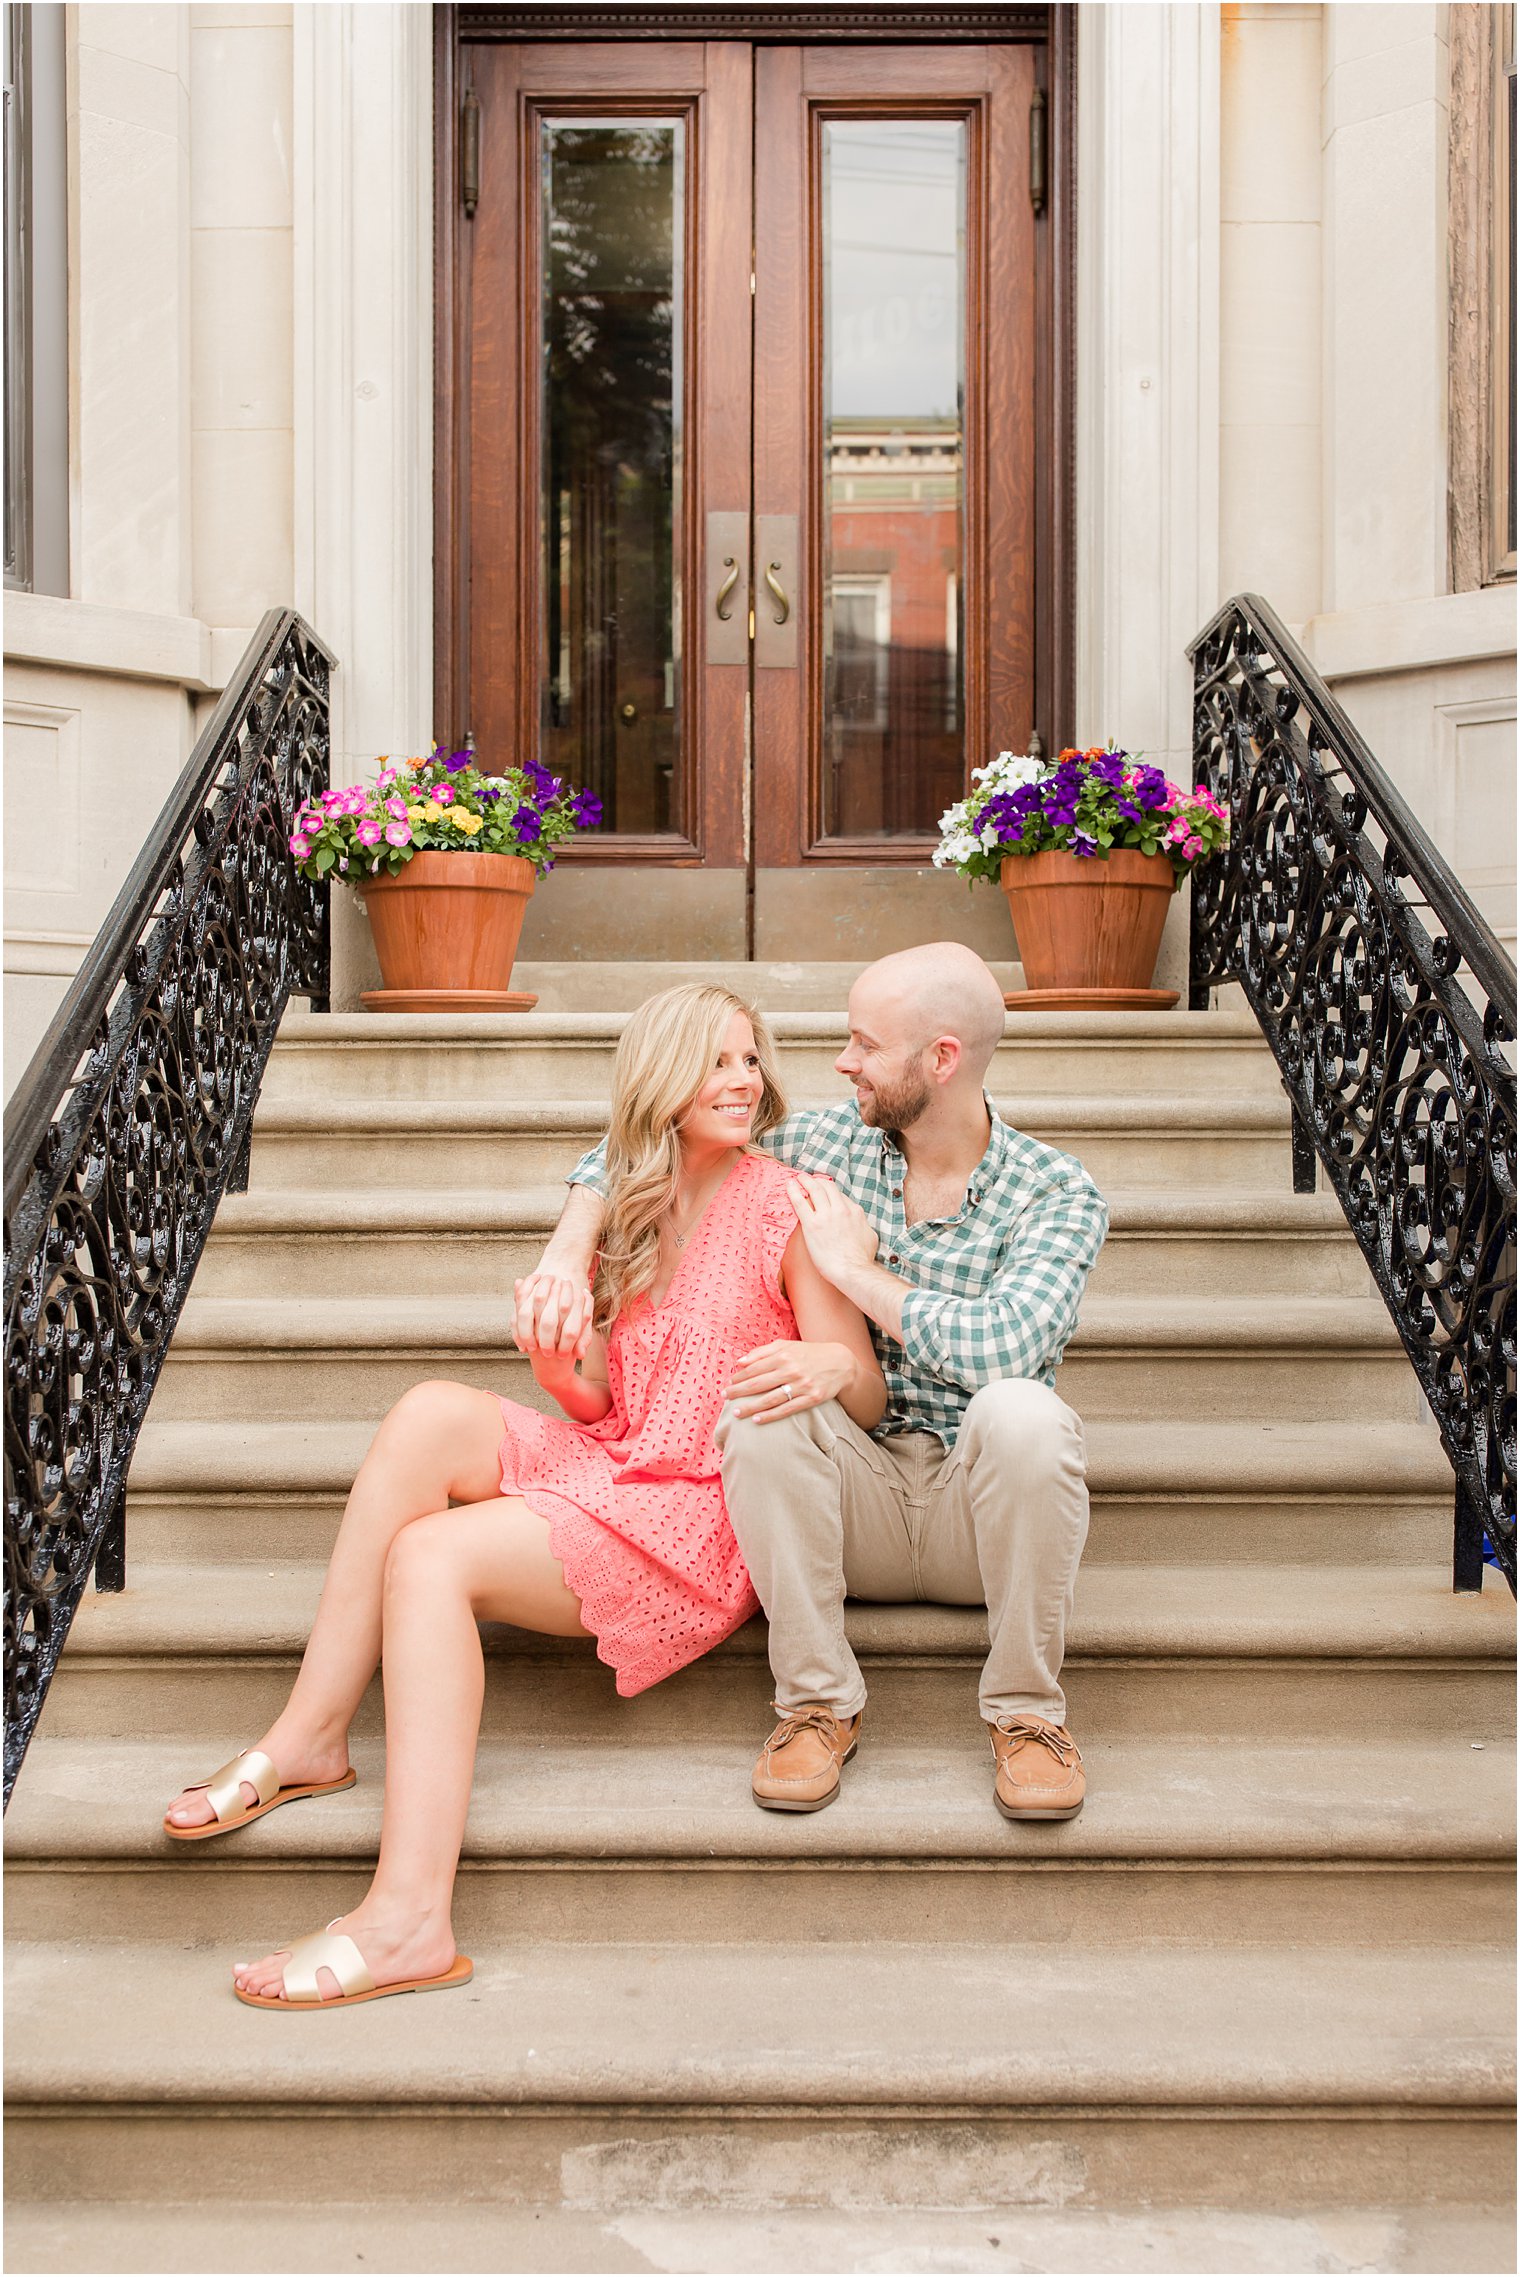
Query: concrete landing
[{"x": 240, "y": 2236}]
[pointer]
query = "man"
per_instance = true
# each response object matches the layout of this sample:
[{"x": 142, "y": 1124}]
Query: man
[{"x": 967, "y": 1245}]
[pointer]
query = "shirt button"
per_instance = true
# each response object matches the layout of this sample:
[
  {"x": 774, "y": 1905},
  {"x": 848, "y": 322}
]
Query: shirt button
[{"x": 892, "y": 1260}]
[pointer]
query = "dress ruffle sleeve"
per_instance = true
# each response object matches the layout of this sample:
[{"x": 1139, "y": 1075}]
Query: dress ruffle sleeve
[{"x": 778, "y": 1222}]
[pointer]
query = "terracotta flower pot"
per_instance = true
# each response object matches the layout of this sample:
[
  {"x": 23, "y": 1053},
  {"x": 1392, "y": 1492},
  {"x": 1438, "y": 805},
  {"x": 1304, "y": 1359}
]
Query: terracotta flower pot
[
  {"x": 446, "y": 930},
  {"x": 1089, "y": 930}
]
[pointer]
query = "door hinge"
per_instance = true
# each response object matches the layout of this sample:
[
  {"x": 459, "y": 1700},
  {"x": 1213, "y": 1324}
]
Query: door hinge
[
  {"x": 1037, "y": 151},
  {"x": 469, "y": 153}
]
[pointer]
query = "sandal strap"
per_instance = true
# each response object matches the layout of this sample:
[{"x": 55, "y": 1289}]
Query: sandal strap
[
  {"x": 222, "y": 1788},
  {"x": 322, "y": 1950}
]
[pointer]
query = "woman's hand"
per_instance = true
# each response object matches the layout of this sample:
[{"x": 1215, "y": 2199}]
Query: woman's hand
[
  {"x": 784, "y": 1379},
  {"x": 552, "y": 1319}
]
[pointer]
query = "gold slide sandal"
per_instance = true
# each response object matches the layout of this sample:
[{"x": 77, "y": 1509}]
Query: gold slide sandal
[
  {"x": 223, "y": 1792},
  {"x": 322, "y": 1950}
]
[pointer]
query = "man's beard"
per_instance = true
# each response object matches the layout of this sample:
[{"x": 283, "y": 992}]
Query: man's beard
[{"x": 894, "y": 1107}]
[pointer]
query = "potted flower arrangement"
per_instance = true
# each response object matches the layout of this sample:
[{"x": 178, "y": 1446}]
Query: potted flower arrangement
[
  {"x": 1089, "y": 849},
  {"x": 445, "y": 857}
]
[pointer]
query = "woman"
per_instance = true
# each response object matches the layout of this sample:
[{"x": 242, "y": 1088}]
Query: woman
[{"x": 607, "y": 1522}]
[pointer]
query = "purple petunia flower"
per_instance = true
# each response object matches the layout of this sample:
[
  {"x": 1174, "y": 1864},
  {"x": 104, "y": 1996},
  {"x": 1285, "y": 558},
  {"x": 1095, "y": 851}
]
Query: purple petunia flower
[
  {"x": 585, "y": 810},
  {"x": 457, "y": 761},
  {"x": 528, "y": 824},
  {"x": 543, "y": 784},
  {"x": 1082, "y": 844}
]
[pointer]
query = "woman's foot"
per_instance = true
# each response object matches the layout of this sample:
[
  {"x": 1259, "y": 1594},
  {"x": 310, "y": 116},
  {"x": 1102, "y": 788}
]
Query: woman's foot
[
  {"x": 394, "y": 1947},
  {"x": 300, "y": 1762}
]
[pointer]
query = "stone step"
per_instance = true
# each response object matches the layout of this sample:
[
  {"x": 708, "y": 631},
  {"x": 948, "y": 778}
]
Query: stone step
[
  {"x": 1178, "y": 1846},
  {"x": 270, "y": 2235},
  {"x": 1256, "y": 1493},
  {"x": 366, "y": 1242},
  {"x": 1235, "y": 1653},
  {"x": 775, "y": 985},
  {"x": 568, "y": 1055},
  {"x": 1307, "y": 1360},
  {"x": 1218, "y": 1139},
  {"x": 620, "y": 2074}
]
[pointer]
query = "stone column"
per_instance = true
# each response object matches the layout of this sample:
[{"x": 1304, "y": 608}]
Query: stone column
[
  {"x": 1147, "y": 379},
  {"x": 364, "y": 386}
]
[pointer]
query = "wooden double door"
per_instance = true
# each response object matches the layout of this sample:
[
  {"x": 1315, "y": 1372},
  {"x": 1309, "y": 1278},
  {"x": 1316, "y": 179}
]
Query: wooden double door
[{"x": 749, "y": 517}]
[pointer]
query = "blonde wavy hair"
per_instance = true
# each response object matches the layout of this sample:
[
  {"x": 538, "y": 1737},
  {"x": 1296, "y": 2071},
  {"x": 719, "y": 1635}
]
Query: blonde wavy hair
[{"x": 667, "y": 1052}]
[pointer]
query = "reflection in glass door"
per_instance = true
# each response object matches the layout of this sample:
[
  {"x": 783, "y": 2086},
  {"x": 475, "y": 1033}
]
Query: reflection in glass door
[
  {"x": 893, "y": 229},
  {"x": 613, "y": 194}
]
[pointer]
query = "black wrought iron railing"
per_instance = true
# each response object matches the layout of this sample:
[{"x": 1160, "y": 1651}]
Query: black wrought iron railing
[
  {"x": 132, "y": 1121},
  {"x": 1389, "y": 1004}
]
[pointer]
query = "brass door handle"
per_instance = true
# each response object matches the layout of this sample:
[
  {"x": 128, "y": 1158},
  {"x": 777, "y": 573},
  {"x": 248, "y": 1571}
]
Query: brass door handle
[
  {"x": 725, "y": 599},
  {"x": 777, "y": 592},
  {"x": 628, "y": 713}
]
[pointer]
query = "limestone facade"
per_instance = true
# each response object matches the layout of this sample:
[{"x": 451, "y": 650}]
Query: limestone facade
[{"x": 1264, "y": 356}]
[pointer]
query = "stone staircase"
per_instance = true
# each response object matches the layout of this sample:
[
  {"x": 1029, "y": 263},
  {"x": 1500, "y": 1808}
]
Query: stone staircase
[{"x": 1251, "y": 2010}]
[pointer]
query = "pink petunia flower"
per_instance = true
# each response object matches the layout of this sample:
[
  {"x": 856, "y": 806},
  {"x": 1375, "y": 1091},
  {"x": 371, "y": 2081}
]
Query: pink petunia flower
[
  {"x": 368, "y": 833},
  {"x": 1192, "y": 847},
  {"x": 396, "y": 807},
  {"x": 444, "y": 793},
  {"x": 398, "y": 833},
  {"x": 300, "y": 847}
]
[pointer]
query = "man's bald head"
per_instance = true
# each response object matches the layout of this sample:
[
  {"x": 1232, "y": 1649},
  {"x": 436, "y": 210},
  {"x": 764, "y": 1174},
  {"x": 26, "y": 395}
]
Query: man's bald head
[{"x": 941, "y": 989}]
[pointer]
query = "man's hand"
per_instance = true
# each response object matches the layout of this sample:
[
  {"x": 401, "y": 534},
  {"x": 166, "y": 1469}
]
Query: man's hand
[
  {"x": 839, "y": 1235},
  {"x": 552, "y": 1317},
  {"x": 552, "y": 1310},
  {"x": 807, "y": 1374}
]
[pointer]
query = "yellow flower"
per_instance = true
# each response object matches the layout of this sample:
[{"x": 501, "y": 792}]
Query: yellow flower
[
  {"x": 414, "y": 814},
  {"x": 431, "y": 811},
  {"x": 458, "y": 817},
  {"x": 469, "y": 822}
]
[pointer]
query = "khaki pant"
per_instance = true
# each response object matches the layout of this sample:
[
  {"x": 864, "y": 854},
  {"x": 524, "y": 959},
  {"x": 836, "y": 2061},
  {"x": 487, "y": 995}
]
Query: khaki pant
[{"x": 822, "y": 1511}]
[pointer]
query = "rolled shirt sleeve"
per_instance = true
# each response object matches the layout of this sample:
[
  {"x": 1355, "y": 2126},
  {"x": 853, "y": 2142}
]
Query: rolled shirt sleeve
[
  {"x": 591, "y": 1170},
  {"x": 1021, "y": 1321}
]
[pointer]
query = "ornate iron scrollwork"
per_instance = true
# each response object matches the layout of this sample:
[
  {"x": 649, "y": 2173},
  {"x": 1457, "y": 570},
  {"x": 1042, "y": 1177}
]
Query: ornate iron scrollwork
[
  {"x": 130, "y": 1124},
  {"x": 1389, "y": 1005}
]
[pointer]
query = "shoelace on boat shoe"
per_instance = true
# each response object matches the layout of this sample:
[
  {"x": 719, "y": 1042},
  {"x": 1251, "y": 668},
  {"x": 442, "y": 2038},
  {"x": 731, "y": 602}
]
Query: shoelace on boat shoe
[
  {"x": 1060, "y": 1744},
  {"x": 797, "y": 1720}
]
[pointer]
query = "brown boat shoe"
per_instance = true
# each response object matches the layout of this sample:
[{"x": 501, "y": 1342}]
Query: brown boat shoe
[
  {"x": 1039, "y": 1768},
  {"x": 798, "y": 1767}
]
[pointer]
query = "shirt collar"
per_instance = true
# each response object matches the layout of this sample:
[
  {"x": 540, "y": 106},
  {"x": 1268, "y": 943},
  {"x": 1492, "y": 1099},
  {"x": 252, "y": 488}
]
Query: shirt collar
[{"x": 986, "y": 1171}]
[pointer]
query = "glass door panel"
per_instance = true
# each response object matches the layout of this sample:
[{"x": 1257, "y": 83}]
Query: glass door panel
[
  {"x": 893, "y": 228},
  {"x": 895, "y": 427},
  {"x": 611, "y": 349}
]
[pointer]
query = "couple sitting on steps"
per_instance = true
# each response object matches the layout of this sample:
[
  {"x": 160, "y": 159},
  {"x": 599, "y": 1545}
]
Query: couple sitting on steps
[{"x": 812, "y": 1356}]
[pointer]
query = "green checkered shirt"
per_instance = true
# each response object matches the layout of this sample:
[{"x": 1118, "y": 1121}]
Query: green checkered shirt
[{"x": 995, "y": 1289}]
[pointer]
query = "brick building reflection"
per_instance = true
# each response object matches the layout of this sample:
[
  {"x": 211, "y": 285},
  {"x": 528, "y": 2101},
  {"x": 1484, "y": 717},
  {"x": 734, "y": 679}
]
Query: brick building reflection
[{"x": 894, "y": 755}]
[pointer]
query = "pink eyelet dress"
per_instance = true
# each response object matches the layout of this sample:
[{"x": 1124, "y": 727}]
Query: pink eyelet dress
[{"x": 635, "y": 1503}]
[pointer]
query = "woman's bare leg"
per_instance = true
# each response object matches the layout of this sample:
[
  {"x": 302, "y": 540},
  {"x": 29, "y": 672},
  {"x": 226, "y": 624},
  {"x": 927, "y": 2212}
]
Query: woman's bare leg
[
  {"x": 444, "y": 1572},
  {"x": 439, "y": 1443}
]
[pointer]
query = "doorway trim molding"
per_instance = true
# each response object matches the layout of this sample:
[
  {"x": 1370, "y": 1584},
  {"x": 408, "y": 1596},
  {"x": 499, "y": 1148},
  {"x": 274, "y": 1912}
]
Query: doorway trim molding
[
  {"x": 784, "y": 26},
  {"x": 462, "y": 23}
]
